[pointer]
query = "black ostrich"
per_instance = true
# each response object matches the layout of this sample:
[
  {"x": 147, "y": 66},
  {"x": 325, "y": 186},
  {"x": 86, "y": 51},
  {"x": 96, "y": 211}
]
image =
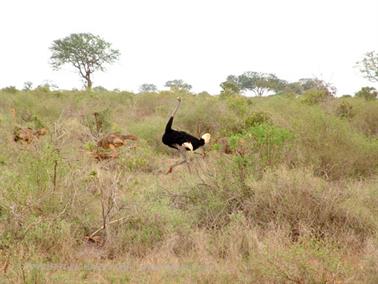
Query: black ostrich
[{"x": 181, "y": 140}]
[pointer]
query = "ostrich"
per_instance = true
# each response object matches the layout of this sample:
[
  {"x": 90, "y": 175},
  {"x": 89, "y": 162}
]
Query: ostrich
[{"x": 181, "y": 140}]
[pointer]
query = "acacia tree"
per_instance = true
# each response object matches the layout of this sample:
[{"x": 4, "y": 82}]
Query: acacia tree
[
  {"x": 258, "y": 83},
  {"x": 178, "y": 85},
  {"x": 230, "y": 86},
  {"x": 369, "y": 66},
  {"x": 317, "y": 84},
  {"x": 84, "y": 51},
  {"x": 368, "y": 93},
  {"x": 147, "y": 88}
]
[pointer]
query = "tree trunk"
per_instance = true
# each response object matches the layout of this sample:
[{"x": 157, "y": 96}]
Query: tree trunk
[{"x": 88, "y": 81}]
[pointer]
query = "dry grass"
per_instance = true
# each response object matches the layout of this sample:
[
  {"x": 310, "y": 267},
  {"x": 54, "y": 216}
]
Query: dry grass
[{"x": 294, "y": 200}]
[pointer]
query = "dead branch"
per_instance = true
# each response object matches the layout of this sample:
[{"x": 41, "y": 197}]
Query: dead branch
[{"x": 102, "y": 227}]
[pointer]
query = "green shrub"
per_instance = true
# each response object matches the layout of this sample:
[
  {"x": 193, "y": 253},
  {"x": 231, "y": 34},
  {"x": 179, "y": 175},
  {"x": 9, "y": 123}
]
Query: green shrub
[
  {"x": 10, "y": 90},
  {"x": 368, "y": 93},
  {"x": 138, "y": 157},
  {"x": 139, "y": 235},
  {"x": 262, "y": 145},
  {"x": 41, "y": 89},
  {"x": 345, "y": 110},
  {"x": 314, "y": 96},
  {"x": 239, "y": 104},
  {"x": 99, "y": 123},
  {"x": 333, "y": 148},
  {"x": 150, "y": 130},
  {"x": 257, "y": 118},
  {"x": 294, "y": 199},
  {"x": 366, "y": 118},
  {"x": 308, "y": 205},
  {"x": 310, "y": 261},
  {"x": 210, "y": 115},
  {"x": 322, "y": 141}
]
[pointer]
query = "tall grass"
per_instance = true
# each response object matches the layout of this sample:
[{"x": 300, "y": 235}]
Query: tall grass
[{"x": 293, "y": 200}]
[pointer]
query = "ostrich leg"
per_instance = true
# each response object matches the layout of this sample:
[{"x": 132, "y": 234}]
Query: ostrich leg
[{"x": 183, "y": 154}]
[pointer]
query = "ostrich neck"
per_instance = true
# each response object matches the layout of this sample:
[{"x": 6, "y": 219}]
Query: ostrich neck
[{"x": 176, "y": 109}]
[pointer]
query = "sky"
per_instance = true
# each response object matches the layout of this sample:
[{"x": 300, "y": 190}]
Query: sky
[{"x": 201, "y": 42}]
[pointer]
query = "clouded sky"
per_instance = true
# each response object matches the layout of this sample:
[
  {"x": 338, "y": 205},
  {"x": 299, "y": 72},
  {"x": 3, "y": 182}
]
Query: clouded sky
[{"x": 198, "y": 41}]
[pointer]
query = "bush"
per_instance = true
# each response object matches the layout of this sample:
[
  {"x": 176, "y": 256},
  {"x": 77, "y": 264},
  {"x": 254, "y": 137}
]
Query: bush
[
  {"x": 10, "y": 90},
  {"x": 263, "y": 145},
  {"x": 310, "y": 261},
  {"x": 34, "y": 201},
  {"x": 320, "y": 210},
  {"x": 314, "y": 96},
  {"x": 210, "y": 115},
  {"x": 345, "y": 110},
  {"x": 368, "y": 93},
  {"x": 45, "y": 88},
  {"x": 324, "y": 142},
  {"x": 138, "y": 158},
  {"x": 212, "y": 201},
  {"x": 366, "y": 118},
  {"x": 99, "y": 123},
  {"x": 141, "y": 233},
  {"x": 293, "y": 199},
  {"x": 257, "y": 118}
]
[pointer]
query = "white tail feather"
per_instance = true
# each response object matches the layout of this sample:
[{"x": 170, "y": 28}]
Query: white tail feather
[{"x": 206, "y": 137}]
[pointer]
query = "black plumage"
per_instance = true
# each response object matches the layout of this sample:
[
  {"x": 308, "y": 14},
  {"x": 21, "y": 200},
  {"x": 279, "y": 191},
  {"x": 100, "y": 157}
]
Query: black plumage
[{"x": 174, "y": 138}]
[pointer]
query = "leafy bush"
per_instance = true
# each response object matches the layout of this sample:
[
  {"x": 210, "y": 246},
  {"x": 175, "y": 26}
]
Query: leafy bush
[
  {"x": 366, "y": 118},
  {"x": 314, "y": 96},
  {"x": 142, "y": 232},
  {"x": 324, "y": 142},
  {"x": 220, "y": 194},
  {"x": 99, "y": 122},
  {"x": 210, "y": 115},
  {"x": 262, "y": 145},
  {"x": 309, "y": 261},
  {"x": 139, "y": 157},
  {"x": 368, "y": 93},
  {"x": 45, "y": 88},
  {"x": 292, "y": 199},
  {"x": 320, "y": 210},
  {"x": 257, "y": 118},
  {"x": 10, "y": 90},
  {"x": 345, "y": 110}
]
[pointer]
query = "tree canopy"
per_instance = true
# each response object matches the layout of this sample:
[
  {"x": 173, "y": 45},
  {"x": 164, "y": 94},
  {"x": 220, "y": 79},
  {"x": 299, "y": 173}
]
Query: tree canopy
[
  {"x": 368, "y": 93},
  {"x": 264, "y": 83},
  {"x": 147, "y": 88},
  {"x": 86, "y": 52},
  {"x": 258, "y": 83},
  {"x": 231, "y": 85},
  {"x": 178, "y": 85},
  {"x": 369, "y": 66},
  {"x": 317, "y": 84}
]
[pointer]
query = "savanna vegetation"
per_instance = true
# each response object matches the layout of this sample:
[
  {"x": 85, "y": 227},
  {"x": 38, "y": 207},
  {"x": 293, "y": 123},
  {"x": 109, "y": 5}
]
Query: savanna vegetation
[{"x": 286, "y": 193}]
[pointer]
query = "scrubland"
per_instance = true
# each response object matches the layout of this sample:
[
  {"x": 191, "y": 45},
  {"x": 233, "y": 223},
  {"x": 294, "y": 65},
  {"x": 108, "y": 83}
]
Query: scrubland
[{"x": 287, "y": 191}]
